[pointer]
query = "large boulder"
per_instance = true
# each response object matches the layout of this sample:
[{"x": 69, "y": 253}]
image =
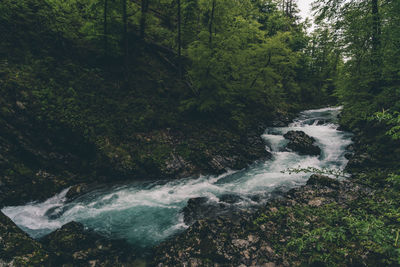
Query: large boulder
[
  {"x": 319, "y": 180},
  {"x": 78, "y": 190},
  {"x": 17, "y": 248},
  {"x": 196, "y": 209},
  {"x": 73, "y": 244},
  {"x": 201, "y": 208},
  {"x": 302, "y": 143}
]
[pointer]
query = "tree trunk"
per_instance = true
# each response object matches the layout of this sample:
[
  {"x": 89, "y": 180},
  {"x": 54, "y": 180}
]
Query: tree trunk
[
  {"x": 179, "y": 40},
  {"x": 105, "y": 27},
  {"x": 211, "y": 23},
  {"x": 376, "y": 27},
  {"x": 125, "y": 37},
  {"x": 287, "y": 8},
  {"x": 376, "y": 43},
  {"x": 145, "y": 7},
  {"x": 210, "y": 32}
]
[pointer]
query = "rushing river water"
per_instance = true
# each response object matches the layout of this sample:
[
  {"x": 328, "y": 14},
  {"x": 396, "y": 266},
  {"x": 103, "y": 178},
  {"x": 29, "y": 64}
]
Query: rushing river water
[{"x": 145, "y": 213}]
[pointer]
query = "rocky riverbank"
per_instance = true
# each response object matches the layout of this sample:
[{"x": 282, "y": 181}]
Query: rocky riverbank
[
  {"x": 267, "y": 237},
  {"x": 293, "y": 228},
  {"x": 71, "y": 245},
  {"x": 257, "y": 239},
  {"x": 327, "y": 222},
  {"x": 241, "y": 238}
]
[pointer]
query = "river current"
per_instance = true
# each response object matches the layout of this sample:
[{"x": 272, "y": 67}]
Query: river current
[{"x": 146, "y": 213}]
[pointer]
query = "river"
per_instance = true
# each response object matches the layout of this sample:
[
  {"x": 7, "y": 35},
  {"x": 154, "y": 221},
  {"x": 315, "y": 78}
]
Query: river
[{"x": 146, "y": 213}]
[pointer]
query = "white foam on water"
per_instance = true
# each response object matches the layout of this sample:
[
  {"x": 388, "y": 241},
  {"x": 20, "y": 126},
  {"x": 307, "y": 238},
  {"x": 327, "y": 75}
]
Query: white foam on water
[
  {"x": 32, "y": 215},
  {"x": 147, "y": 213}
]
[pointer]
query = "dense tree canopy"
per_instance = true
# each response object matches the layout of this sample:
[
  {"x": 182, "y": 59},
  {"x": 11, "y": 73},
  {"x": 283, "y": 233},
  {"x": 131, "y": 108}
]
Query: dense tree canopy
[
  {"x": 235, "y": 57},
  {"x": 367, "y": 35}
]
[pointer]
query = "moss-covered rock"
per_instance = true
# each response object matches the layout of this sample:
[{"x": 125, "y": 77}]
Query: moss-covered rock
[
  {"x": 73, "y": 245},
  {"x": 18, "y": 249},
  {"x": 302, "y": 143},
  {"x": 273, "y": 235}
]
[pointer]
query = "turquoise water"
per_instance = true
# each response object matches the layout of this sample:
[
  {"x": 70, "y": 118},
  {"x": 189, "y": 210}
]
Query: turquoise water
[{"x": 146, "y": 213}]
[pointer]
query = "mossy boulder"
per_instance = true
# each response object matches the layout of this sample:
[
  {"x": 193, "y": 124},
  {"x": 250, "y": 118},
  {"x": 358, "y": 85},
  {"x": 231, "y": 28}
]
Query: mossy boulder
[
  {"x": 18, "y": 249},
  {"x": 321, "y": 180},
  {"x": 73, "y": 244},
  {"x": 302, "y": 143}
]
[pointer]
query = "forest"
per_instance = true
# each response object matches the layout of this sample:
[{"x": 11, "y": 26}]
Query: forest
[{"x": 199, "y": 133}]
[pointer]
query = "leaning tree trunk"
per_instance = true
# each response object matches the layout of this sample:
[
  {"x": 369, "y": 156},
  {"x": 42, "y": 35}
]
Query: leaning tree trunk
[
  {"x": 211, "y": 23},
  {"x": 105, "y": 27},
  {"x": 179, "y": 40},
  {"x": 125, "y": 38},
  {"x": 143, "y": 18},
  {"x": 376, "y": 46}
]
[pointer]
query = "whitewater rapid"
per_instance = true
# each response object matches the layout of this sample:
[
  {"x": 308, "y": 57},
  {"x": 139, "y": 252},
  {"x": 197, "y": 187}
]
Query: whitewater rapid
[{"x": 146, "y": 213}]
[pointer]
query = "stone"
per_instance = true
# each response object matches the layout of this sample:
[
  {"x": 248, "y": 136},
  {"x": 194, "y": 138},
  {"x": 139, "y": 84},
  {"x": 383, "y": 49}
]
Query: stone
[
  {"x": 78, "y": 246},
  {"x": 240, "y": 243},
  {"x": 322, "y": 180},
  {"x": 18, "y": 249},
  {"x": 316, "y": 202},
  {"x": 230, "y": 198},
  {"x": 242, "y": 239},
  {"x": 302, "y": 143},
  {"x": 201, "y": 208},
  {"x": 79, "y": 190},
  {"x": 177, "y": 165},
  {"x": 195, "y": 208}
]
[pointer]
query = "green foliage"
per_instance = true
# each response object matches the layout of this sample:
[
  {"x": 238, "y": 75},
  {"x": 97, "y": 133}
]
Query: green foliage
[
  {"x": 242, "y": 67},
  {"x": 394, "y": 179},
  {"x": 366, "y": 32},
  {"x": 242, "y": 59},
  {"x": 393, "y": 120},
  {"x": 323, "y": 171},
  {"x": 336, "y": 236}
]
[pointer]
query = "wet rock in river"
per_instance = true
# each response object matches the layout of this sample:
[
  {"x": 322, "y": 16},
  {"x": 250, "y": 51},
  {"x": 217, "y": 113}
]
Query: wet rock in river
[
  {"x": 78, "y": 190},
  {"x": 230, "y": 198},
  {"x": 197, "y": 208},
  {"x": 55, "y": 212},
  {"x": 201, "y": 208},
  {"x": 302, "y": 143}
]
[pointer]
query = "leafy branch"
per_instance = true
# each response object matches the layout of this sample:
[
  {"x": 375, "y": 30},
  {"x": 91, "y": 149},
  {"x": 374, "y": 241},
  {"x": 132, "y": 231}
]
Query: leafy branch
[{"x": 392, "y": 120}]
